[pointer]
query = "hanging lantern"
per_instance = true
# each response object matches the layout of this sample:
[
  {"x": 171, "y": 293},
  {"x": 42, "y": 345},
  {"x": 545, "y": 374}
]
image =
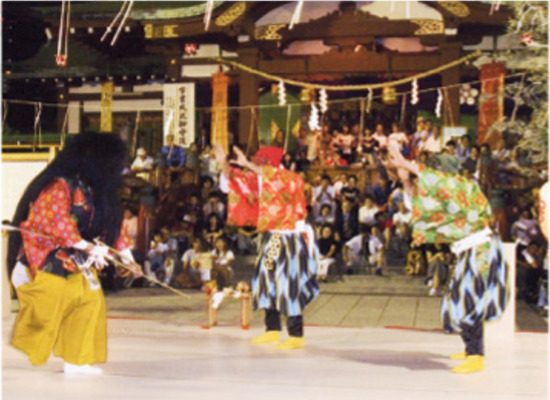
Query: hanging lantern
[
  {"x": 389, "y": 96},
  {"x": 307, "y": 95}
]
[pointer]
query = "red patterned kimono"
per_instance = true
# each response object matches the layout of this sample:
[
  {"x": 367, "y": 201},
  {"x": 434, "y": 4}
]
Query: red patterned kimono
[
  {"x": 284, "y": 278},
  {"x": 279, "y": 204}
]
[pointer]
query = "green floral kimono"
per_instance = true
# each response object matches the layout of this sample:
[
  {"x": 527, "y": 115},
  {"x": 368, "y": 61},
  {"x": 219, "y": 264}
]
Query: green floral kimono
[{"x": 448, "y": 208}]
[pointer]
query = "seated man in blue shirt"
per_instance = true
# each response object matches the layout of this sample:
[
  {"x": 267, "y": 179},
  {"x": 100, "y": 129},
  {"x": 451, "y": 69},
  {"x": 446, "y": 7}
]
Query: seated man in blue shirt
[{"x": 173, "y": 157}]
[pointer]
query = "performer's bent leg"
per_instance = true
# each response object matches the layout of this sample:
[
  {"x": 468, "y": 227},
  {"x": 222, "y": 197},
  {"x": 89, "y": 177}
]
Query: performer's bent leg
[
  {"x": 42, "y": 306},
  {"x": 272, "y": 325},
  {"x": 472, "y": 335},
  {"x": 295, "y": 326},
  {"x": 82, "y": 337},
  {"x": 272, "y": 320}
]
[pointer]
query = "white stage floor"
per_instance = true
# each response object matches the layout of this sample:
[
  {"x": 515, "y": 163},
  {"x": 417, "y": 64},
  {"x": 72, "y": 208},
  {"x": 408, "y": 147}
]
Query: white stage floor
[{"x": 152, "y": 360}]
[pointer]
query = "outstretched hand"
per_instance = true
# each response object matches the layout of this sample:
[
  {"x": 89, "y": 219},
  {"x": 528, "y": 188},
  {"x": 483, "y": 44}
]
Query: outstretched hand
[
  {"x": 219, "y": 154},
  {"x": 241, "y": 158}
]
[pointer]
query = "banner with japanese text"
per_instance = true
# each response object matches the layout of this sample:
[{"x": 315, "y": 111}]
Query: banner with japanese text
[
  {"x": 179, "y": 112},
  {"x": 220, "y": 83}
]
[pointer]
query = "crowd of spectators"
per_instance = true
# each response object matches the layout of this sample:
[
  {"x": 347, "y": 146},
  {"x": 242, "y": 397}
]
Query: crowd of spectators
[{"x": 357, "y": 227}]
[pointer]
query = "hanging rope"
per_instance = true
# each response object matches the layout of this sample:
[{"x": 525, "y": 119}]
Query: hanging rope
[
  {"x": 342, "y": 88},
  {"x": 251, "y": 130},
  {"x": 134, "y": 136},
  {"x": 128, "y": 8},
  {"x": 5, "y": 114},
  {"x": 268, "y": 106},
  {"x": 64, "y": 127}
]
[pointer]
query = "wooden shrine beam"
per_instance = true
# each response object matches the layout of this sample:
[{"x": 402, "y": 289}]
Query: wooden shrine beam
[{"x": 352, "y": 62}]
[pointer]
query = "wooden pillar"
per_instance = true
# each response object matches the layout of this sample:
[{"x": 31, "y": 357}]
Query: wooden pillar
[
  {"x": 248, "y": 96},
  {"x": 451, "y": 106},
  {"x": 173, "y": 68}
]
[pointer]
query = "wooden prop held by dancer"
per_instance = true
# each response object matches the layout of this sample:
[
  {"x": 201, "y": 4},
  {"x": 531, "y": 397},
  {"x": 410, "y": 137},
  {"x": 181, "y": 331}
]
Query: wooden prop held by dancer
[{"x": 132, "y": 265}]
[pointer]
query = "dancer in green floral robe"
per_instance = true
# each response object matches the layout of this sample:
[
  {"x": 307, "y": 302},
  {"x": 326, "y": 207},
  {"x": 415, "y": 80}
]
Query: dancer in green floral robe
[{"x": 452, "y": 209}]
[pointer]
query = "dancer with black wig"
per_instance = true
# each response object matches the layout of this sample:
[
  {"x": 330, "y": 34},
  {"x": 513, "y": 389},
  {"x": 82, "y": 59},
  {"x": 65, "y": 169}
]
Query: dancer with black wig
[{"x": 73, "y": 201}]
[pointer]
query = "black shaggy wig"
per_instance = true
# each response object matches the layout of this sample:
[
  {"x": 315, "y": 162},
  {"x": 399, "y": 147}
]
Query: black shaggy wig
[{"x": 97, "y": 160}]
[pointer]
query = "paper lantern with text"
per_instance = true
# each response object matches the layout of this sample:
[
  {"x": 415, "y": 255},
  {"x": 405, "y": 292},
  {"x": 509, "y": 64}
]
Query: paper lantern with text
[{"x": 389, "y": 95}]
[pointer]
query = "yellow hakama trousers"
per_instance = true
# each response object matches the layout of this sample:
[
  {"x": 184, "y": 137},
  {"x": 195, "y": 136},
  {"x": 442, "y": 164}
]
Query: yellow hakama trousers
[{"x": 62, "y": 315}]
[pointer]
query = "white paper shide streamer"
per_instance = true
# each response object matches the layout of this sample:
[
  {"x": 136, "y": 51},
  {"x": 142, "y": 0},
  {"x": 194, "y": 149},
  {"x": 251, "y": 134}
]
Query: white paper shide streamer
[
  {"x": 439, "y": 103},
  {"x": 208, "y": 14},
  {"x": 369, "y": 102},
  {"x": 281, "y": 90},
  {"x": 314, "y": 118},
  {"x": 323, "y": 100},
  {"x": 296, "y": 16},
  {"x": 414, "y": 92}
]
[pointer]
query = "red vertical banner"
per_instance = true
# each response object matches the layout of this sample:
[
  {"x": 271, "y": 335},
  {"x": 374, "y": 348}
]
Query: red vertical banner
[
  {"x": 491, "y": 102},
  {"x": 220, "y": 83}
]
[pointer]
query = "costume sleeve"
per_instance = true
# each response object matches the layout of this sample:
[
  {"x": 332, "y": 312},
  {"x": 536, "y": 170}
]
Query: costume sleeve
[
  {"x": 447, "y": 207},
  {"x": 243, "y": 201},
  {"x": 50, "y": 215},
  {"x": 282, "y": 201}
]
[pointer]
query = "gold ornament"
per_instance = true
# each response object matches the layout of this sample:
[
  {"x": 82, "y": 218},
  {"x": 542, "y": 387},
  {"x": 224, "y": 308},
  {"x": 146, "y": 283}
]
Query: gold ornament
[
  {"x": 428, "y": 27},
  {"x": 456, "y": 8},
  {"x": 268, "y": 32},
  {"x": 388, "y": 95},
  {"x": 234, "y": 12}
]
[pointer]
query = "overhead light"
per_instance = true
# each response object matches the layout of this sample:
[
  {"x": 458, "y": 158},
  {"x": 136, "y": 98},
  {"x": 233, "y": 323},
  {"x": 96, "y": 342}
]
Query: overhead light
[
  {"x": 72, "y": 30},
  {"x": 90, "y": 29},
  {"x": 127, "y": 29},
  {"x": 138, "y": 77},
  {"x": 97, "y": 78},
  {"x": 124, "y": 78},
  {"x": 48, "y": 33}
]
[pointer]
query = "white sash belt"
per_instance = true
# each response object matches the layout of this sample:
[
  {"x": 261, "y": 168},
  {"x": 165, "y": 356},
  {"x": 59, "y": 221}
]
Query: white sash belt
[{"x": 469, "y": 242}]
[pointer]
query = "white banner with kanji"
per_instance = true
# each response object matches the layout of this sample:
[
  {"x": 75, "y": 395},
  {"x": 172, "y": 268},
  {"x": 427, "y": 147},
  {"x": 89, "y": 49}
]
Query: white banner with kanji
[{"x": 179, "y": 112}]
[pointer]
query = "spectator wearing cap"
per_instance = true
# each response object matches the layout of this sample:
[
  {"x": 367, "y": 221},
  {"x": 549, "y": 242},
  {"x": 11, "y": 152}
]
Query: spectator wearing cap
[{"x": 143, "y": 164}]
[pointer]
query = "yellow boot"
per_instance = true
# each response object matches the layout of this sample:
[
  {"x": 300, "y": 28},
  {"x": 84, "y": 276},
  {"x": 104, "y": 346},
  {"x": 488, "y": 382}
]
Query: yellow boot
[
  {"x": 267, "y": 337},
  {"x": 472, "y": 364},
  {"x": 458, "y": 356},
  {"x": 292, "y": 343}
]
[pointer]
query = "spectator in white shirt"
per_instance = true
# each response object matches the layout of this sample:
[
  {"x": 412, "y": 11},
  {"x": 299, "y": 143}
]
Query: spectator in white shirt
[
  {"x": 367, "y": 212},
  {"x": 354, "y": 251},
  {"x": 223, "y": 259},
  {"x": 380, "y": 136},
  {"x": 397, "y": 136},
  {"x": 143, "y": 164},
  {"x": 433, "y": 143},
  {"x": 323, "y": 194},
  {"x": 376, "y": 250},
  {"x": 191, "y": 264}
]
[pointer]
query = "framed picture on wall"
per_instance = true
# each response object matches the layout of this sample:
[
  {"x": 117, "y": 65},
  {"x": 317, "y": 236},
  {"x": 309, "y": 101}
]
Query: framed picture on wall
[{"x": 453, "y": 133}]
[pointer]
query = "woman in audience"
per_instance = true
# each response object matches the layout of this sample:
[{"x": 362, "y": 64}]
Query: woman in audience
[
  {"x": 213, "y": 230},
  {"x": 223, "y": 259}
]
